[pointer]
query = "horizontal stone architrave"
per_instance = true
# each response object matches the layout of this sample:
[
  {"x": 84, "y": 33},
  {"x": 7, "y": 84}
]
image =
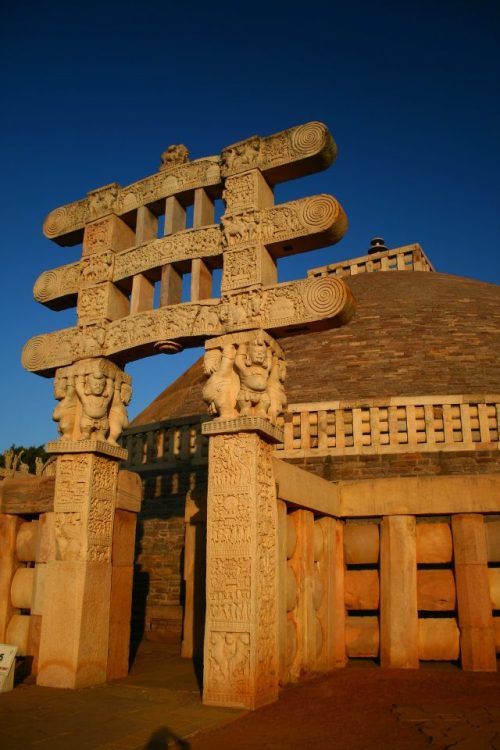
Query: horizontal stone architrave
[
  {"x": 65, "y": 224},
  {"x": 310, "y": 223},
  {"x": 282, "y": 156},
  {"x": 429, "y": 495},
  {"x": 36, "y": 494},
  {"x": 287, "y": 308}
]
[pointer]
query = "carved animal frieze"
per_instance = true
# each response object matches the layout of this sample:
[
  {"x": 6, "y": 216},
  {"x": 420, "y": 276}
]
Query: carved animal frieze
[
  {"x": 282, "y": 156},
  {"x": 290, "y": 228},
  {"x": 307, "y": 304},
  {"x": 311, "y": 142},
  {"x": 64, "y": 223},
  {"x": 320, "y": 217}
]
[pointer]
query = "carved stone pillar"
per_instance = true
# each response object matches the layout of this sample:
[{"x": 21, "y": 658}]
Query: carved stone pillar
[
  {"x": 93, "y": 396},
  {"x": 74, "y": 640},
  {"x": 241, "y": 632}
]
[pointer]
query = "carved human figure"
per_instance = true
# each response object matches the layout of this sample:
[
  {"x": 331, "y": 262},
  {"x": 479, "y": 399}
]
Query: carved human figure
[
  {"x": 275, "y": 388},
  {"x": 38, "y": 466},
  {"x": 118, "y": 417},
  {"x": 64, "y": 413},
  {"x": 68, "y": 536},
  {"x": 221, "y": 390},
  {"x": 253, "y": 364},
  {"x": 95, "y": 391}
]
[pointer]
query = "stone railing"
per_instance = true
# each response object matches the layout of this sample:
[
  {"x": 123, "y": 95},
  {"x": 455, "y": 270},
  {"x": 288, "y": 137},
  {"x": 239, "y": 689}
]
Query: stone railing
[
  {"x": 166, "y": 445},
  {"x": 395, "y": 425},
  {"x": 337, "y": 428},
  {"x": 406, "y": 258},
  {"x": 366, "y": 572}
]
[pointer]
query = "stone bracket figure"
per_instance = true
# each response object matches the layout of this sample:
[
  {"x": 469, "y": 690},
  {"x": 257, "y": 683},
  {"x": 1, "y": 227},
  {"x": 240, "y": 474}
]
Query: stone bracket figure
[
  {"x": 93, "y": 396},
  {"x": 246, "y": 375}
]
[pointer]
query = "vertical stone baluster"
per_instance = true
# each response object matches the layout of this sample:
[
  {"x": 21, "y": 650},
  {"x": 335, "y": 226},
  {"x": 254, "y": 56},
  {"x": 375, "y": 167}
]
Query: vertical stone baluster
[
  {"x": 302, "y": 564},
  {"x": 331, "y": 612},
  {"x": 398, "y": 593},
  {"x": 142, "y": 297},
  {"x": 195, "y": 519},
  {"x": 122, "y": 573},
  {"x": 282, "y": 588},
  {"x": 99, "y": 299},
  {"x": 171, "y": 277},
  {"x": 475, "y": 617},
  {"x": 9, "y": 525},
  {"x": 201, "y": 274}
]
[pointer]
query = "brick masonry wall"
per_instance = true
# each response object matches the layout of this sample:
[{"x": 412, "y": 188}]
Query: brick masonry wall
[
  {"x": 402, "y": 465},
  {"x": 158, "y": 583}
]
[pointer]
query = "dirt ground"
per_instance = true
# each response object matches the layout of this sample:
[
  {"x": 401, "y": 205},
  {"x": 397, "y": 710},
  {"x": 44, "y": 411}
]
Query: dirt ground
[{"x": 370, "y": 708}]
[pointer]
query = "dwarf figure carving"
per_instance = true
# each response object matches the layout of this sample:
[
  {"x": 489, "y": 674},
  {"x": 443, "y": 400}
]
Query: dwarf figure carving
[
  {"x": 221, "y": 390},
  {"x": 95, "y": 391},
  {"x": 118, "y": 417},
  {"x": 65, "y": 411},
  {"x": 246, "y": 376},
  {"x": 253, "y": 365}
]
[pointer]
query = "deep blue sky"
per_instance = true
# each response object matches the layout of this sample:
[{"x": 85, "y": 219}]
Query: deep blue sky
[{"x": 94, "y": 92}]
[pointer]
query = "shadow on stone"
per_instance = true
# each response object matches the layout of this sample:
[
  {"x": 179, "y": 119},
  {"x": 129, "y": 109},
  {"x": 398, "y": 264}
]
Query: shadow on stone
[
  {"x": 165, "y": 739},
  {"x": 139, "y": 599}
]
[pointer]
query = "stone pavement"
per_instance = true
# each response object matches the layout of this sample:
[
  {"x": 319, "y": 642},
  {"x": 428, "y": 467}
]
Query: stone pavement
[
  {"x": 155, "y": 707},
  {"x": 158, "y": 706},
  {"x": 461, "y": 729}
]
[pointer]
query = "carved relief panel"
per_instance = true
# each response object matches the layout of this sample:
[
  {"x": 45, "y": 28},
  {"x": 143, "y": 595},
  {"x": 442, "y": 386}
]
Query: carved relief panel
[{"x": 84, "y": 505}]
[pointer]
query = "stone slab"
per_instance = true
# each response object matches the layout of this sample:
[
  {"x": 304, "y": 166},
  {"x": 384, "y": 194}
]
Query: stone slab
[
  {"x": 259, "y": 425},
  {"x": 87, "y": 446}
]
